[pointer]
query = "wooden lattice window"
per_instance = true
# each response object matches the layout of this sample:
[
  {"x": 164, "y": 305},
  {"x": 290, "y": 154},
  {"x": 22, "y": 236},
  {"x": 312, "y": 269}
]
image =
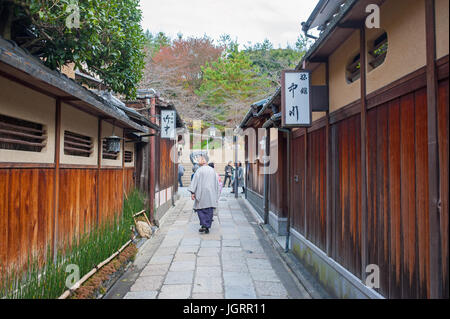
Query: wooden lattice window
[
  {"x": 353, "y": 69},
  {"x": 21, "y": 135},
  {"x": 378, "y": 54},
  {"x": 108, "y": 155},
  {"x": 128, "y": 157},
  {"x": 77, "y": 144}
]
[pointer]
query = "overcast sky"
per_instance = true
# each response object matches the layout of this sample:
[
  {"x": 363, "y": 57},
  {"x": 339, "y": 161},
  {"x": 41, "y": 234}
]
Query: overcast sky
[{"x": 245, "y": 20}]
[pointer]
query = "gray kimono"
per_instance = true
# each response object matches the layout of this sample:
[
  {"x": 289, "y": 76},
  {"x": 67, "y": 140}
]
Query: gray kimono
[{"x": 205, "y": 185}]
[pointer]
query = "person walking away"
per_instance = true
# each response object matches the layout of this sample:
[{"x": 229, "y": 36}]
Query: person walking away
[
  {"x": 180, "y": 174},
  {"x": 228, "y": 173},
  {"x": 204, "y": 191}
]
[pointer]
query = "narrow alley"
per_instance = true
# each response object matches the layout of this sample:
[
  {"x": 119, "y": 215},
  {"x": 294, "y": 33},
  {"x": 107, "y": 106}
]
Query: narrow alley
[{"x": 233, "y": 261}]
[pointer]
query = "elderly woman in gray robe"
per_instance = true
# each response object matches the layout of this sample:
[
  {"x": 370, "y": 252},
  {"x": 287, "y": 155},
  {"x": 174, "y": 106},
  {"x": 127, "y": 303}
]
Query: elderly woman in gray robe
[{"x": 205, "y": 191}]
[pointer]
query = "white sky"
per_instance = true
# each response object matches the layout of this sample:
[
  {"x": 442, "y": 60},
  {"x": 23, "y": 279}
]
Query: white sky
[{"x": 245, "y": 20}]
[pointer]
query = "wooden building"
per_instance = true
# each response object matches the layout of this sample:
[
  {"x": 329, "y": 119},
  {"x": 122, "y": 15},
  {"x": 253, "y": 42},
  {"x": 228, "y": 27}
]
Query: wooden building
[
  {"x": 157, "y": 155},
  {"x": 57, "y": 178},
  {"x": 367, "y": 183}
]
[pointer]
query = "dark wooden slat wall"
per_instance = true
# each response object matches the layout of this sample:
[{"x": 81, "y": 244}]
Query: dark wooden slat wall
[
  {"x": 26, "y": 213},
  {"x": 443, "y": 128},
  {"x": 166, "y": 171},
  {"x": 316, "y": 194},
  {"x": 397, "y": 163},
  {"x": 298, "y": 187},
  {"x": 346, "y": 212}
]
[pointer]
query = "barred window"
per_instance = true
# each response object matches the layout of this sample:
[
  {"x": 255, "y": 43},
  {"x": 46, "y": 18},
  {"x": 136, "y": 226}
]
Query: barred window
[
  {"x": 128, "y": 156},
  {"x": 379, "y": 51},
  {"x": 77, "y": 144},
  {"x": 21, "y": 135},
  {"x": 353, "y": 69}
]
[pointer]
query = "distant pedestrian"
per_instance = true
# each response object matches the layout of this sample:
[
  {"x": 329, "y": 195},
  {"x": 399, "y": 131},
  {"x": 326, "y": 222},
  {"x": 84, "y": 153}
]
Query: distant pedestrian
[
  {"x": 238, "y": 177},
  {"x": 205, "y": 192},
  {"x": 228, "y": 174},
  {"x": 194, "y": 169},
  {"x": 180, "y": 174}
]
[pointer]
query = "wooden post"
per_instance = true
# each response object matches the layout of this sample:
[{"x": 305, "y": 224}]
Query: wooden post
[
  {"x": 328, "y": 170},
  {"x": 306, "y": 182},
  {"x": 151, "y": 169},
  {"x": 364, "y": 255},
  {"x": 266, "y": 179},
  {"x": 56, "y": 177},
  {"x": 433, "y": 154},
  {"x": 99, "y": 164}
]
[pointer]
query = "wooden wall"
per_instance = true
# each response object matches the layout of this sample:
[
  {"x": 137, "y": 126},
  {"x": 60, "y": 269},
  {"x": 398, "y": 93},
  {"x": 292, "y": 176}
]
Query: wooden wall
[
  {"x": 26, "y": 212},
  {"x": 398, "y": 229},
  {"x": 167, "y": 175}
]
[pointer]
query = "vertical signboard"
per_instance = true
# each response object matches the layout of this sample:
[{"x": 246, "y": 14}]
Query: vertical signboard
[
  {"x": 296, "y": 98},
  {"x": 168, "y": 124}
]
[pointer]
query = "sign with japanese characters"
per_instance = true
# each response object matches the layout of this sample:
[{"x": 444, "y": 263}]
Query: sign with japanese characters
[
  {"x": 168, "y": 119},
  {"x": 296, "y": 98}
]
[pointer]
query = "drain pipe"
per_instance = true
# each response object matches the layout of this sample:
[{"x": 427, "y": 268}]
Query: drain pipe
[{"x": 288, "y": 169}]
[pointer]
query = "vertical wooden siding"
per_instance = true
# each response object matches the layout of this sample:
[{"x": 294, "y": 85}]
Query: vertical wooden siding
[
  {"x": 129, "y": 179},
  {"x": 316, "y": 193},
  {"x": 398, "y": 231},
  {"x": 166, "y": 165},
  {"x": 443, "y": 128},
  {"x": 77, "y": 203},
  {"x": 346, "y": 212},
  {"x": 111, "y": 194},
  {"x": 26, "y": 213},
  {"x": 298, "y": 187}
]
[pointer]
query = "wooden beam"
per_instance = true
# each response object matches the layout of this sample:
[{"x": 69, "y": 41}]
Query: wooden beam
[
  {"x": 364, "y": 253},
  {"x": 434, "y": 203},
  {"x": 351, "y": 24}
]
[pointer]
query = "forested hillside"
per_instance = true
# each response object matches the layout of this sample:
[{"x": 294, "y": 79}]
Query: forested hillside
[{"x": 215, "y": 81}]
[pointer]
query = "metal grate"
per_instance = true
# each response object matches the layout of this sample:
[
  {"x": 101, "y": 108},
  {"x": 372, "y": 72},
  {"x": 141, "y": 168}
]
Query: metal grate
[
  {"x": 108, "y": 155},
  {"x": 353, "y": 69},
  {"x": 379, "y": 51},
  {"x": 128, "y": 157},
  {"x": 77, "y": 144},
  {"x": 21, "y": 135}
]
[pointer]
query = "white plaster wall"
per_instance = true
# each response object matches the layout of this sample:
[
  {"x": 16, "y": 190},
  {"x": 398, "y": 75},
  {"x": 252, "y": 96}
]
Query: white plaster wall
[
  {"x": 79, "y": 122},
  {"x": 21, "y": 102}
]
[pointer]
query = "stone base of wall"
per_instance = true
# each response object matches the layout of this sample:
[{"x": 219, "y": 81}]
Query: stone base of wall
[
  {"x": 277, "y": 223},
  {"x": 338, "y": 281}
]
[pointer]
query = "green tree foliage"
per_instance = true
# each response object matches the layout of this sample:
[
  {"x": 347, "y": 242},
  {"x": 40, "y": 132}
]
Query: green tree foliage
[
  {"x": 233, "y": 77},
  {"x": 109, "y": 41},
  {"x": 155, "y": 42},
  {"x": 271, "y": 61}
]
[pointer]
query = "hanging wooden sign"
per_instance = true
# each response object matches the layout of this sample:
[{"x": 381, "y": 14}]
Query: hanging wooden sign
[
  {"x": 168, "y": 124},
  {"x": 296, "y": 98}
]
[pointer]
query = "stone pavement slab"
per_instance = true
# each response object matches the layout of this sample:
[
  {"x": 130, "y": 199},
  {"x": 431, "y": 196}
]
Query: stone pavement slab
[{"x": 232, "y": 261}]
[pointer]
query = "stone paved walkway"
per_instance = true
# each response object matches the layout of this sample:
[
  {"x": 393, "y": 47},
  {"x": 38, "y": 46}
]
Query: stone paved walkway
[{"x": 233, "y": 261}]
